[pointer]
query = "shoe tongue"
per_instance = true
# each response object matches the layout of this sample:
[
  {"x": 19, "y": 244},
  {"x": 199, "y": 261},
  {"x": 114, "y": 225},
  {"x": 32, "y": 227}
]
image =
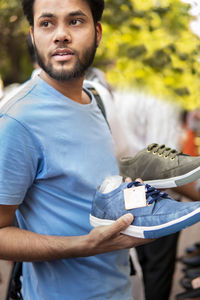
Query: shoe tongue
[{"x": 110, "y": 184}]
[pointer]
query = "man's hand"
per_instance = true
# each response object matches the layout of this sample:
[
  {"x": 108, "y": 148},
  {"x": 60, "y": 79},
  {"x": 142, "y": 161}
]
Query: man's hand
[
  {"x": 23, "y": 245},
  {"x": 109, "y": 238},
  {"x": 129, "y": 179}
]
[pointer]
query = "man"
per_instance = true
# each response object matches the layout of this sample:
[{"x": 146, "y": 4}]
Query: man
[{"x": 56, "y": 149}]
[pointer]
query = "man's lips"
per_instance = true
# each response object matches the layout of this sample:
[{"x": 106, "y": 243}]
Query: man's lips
[{"x": 63, "y": 54}]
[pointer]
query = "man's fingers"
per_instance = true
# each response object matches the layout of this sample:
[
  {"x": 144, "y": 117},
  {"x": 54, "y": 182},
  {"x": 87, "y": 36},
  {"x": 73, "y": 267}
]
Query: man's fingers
[
  {"x": 140, "y": 180},
  {"x": 121, "y": 224},
  {"x": 128, "y": 179}
]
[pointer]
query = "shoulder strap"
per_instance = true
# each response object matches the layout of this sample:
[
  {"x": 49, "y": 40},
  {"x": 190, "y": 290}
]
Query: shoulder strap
[{"x": 98, "y": 100}]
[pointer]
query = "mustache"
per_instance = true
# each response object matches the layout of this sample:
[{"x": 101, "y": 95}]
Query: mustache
[
  {"x": 59, "y": 46},
  {"x": 64, "y": 46}
]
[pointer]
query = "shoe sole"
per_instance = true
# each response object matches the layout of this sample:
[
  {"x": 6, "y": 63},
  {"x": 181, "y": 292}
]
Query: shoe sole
[
  {"x": 152, "y": 232},
  {"x": 175, "y": 181}
]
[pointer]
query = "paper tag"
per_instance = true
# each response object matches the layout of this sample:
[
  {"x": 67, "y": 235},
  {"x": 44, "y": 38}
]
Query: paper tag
[{"x": 135, "y": 197}]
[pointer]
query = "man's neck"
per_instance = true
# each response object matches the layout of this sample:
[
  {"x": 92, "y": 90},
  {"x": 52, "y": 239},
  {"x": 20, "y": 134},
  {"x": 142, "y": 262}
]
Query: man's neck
[{"x": 72, "y": 89}]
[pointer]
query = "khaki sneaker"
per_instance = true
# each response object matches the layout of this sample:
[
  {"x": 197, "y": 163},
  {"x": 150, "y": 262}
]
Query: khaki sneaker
[{"x": 161, "y": 167}]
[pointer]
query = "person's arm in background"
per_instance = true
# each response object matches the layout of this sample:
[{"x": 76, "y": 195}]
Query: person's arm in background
[{"x": 189, "y": 191}]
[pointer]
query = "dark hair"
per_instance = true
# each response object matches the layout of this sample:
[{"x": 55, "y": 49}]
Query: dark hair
[{"x": 96, "y": 6}]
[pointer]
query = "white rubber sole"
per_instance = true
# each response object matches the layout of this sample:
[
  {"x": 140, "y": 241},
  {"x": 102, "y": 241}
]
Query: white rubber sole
[
  {"x": 154, "y": 231},
  {"x": 175, "y": 181}
]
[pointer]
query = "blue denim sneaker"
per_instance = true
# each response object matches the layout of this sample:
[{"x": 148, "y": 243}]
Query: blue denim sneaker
[{"x": 159, "y": 216}]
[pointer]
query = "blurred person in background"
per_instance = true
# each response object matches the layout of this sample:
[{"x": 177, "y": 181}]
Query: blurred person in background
[
  {"x": 191, "y": 258},
  {"x": 187, "y": 140},
  {"x": 148, "y": 120}
]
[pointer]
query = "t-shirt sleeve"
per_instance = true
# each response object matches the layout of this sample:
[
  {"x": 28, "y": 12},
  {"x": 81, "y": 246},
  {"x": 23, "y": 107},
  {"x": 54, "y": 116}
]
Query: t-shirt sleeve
[{"x": 19, "y": 159}]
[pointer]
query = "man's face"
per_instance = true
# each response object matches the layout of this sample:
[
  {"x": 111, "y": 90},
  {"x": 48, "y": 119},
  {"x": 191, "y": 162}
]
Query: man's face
[{"x": 64, "y": 37}]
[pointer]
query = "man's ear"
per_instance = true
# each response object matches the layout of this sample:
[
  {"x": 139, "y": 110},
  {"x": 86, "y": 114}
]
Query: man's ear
[
  {"x": 99, "y": 33},
  {"x": 32, "y": 34}
]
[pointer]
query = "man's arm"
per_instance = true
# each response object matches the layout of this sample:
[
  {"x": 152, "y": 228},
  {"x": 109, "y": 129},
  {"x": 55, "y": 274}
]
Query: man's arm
[{"x": 21, "y": 245}]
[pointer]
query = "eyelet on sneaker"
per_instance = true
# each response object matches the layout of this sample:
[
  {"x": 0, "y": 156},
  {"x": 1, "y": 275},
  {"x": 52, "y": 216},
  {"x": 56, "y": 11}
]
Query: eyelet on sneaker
[
  {"x": 159, "y": 155},
  {"x": 154, "y": 153},
  {"x": 166, "y": 157},
  {"x": 148, "y": 150},
  {"x": 172, "y": 158}
]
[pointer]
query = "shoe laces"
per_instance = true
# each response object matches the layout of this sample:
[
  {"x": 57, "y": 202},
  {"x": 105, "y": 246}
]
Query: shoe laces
[
  {"x": 161, "y": 150},
  {"x": 152, "y": 194}
]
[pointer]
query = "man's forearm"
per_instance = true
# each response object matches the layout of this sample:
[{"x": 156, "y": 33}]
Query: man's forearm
[{"x": 21, "y": 245}]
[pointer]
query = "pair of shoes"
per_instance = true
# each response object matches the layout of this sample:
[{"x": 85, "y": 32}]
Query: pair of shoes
[
  {"x": 193, "y": 248},
  {"x": 156, "y": 214},
  {"x": 193, "y": 261},
  {"x": 186, "y": 283},
  {"x": 161, "y": 167},
  {"x": 193, "y": 272},
  {"x": 188, "y": 295},
  {"x": 187, "y": 257}
]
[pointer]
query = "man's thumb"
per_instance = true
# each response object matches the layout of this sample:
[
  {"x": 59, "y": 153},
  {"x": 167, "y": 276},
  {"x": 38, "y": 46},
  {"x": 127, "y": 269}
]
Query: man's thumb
[{"x": 123, "y": 222}]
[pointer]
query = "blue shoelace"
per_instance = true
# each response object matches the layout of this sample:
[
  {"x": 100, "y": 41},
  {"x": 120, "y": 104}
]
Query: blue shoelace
[{"x": 151, "y": 192}]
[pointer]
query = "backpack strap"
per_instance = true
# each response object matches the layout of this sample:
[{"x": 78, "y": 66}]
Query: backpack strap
[
  {"x": 15, "y": 284},
  {"x": 98, "y": 100}
]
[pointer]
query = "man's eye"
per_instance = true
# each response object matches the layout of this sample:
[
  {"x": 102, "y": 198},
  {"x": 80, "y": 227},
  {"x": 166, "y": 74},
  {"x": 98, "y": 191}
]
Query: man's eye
[
  {"x": 45, "y": 24},
  {"x": 75, "y": 22}
]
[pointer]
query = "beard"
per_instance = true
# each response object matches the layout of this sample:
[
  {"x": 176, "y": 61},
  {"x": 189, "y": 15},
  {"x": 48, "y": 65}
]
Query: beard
[{"x": 77, "y": 71}]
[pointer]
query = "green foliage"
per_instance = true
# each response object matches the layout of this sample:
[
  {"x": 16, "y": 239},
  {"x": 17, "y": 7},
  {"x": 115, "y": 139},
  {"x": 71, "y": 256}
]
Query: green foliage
[
  {"x": 148, "y": 44},
  {"x": 15, "y": 63}
]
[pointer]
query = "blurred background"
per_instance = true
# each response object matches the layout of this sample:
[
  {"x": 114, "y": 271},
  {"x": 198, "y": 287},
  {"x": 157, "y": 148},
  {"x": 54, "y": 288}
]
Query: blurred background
[{"x": 146, "y": 44}]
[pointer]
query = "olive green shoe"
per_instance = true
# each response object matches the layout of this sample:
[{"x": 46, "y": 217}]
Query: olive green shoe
[{"x": 161, "y": 167}]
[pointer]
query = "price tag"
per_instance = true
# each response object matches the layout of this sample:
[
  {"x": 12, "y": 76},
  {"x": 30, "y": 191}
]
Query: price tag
[{"x": 135, "y": 197}]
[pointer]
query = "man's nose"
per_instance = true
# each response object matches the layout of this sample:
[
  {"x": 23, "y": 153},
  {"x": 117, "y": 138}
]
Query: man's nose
[{"x": 62, "y": 34}]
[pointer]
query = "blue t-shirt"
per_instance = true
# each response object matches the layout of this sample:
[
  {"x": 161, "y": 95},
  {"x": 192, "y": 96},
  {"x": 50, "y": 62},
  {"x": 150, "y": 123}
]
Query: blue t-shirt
[{"x": 54, "y": 154}]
